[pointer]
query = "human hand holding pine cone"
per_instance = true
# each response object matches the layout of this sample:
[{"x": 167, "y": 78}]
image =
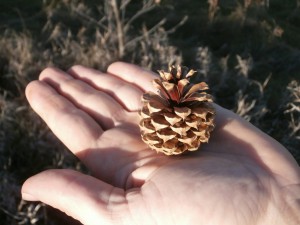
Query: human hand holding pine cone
[{"x": 241, "y": 177}]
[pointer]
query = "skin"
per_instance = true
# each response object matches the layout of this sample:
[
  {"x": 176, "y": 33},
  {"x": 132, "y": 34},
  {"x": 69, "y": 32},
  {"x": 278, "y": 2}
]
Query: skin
[{"x": 242, "y": 176}]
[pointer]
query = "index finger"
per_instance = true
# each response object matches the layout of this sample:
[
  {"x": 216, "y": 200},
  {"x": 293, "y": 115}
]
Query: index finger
[{"x": 73, "y": 126}]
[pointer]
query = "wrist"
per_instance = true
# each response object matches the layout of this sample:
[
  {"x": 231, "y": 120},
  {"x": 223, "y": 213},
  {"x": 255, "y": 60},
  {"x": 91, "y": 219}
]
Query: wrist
[{"x": 285, "y": 207}]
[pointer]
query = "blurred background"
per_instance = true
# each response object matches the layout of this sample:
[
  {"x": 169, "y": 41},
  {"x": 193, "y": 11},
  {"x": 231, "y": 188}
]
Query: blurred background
[{"x": 248, "y": 51}]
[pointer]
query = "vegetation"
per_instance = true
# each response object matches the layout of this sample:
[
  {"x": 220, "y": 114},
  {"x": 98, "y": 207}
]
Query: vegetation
[{"x": 248, "y": 51}]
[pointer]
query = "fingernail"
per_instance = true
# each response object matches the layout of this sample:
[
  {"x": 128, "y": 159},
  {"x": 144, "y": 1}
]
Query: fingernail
[{"x": 28, "y": 197}]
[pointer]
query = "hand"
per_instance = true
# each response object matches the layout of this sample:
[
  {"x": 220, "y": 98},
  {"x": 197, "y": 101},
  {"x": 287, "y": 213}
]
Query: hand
[{"x": 241, "y": 177}]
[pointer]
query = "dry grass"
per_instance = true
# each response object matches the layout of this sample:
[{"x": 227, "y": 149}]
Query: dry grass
[{"x": 246, "y": 50}]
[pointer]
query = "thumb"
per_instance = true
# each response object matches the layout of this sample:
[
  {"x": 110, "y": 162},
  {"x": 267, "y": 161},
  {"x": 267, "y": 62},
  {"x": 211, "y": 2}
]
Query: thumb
[{"x": 83, "y": 197}]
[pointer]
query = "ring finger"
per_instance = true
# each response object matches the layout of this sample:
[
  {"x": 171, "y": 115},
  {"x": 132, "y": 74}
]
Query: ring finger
[{"x": 127, "y": 94}]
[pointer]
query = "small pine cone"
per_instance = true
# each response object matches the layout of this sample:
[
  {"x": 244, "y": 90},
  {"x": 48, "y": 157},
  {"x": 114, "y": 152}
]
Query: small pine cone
[{"x": 180, "y": 116}]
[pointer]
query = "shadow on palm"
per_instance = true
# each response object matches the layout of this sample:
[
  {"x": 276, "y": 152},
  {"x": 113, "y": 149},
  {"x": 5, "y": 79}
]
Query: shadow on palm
[{"x": 128, "y": 163}]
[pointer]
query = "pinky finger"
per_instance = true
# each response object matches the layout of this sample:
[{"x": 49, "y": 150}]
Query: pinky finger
[{"x": 133, "y": 74}]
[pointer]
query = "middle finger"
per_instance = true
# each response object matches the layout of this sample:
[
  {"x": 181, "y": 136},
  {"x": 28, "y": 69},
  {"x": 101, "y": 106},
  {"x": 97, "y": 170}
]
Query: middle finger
[{"x": 99, "y": 105}]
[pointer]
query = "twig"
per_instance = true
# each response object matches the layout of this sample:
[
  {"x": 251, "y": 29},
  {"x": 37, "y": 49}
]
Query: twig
[
  {"x": 182, "y": 21},
  {"x": 154, "y": 28},
  {"x": 16, "y": 217},
  {"x": 120, "y": 31},
  {"x": 124, "y": 3},
  {"x": 137, "y": 15},
  {"x": 90, "y": 19}
]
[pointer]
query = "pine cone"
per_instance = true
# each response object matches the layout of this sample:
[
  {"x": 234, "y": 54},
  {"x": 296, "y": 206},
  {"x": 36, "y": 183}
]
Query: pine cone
[{"x": 180, "y": 116}]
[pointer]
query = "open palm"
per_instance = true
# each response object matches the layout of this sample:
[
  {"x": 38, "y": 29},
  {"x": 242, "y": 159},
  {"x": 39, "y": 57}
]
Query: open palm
[{"x": 241, "y": 177}]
